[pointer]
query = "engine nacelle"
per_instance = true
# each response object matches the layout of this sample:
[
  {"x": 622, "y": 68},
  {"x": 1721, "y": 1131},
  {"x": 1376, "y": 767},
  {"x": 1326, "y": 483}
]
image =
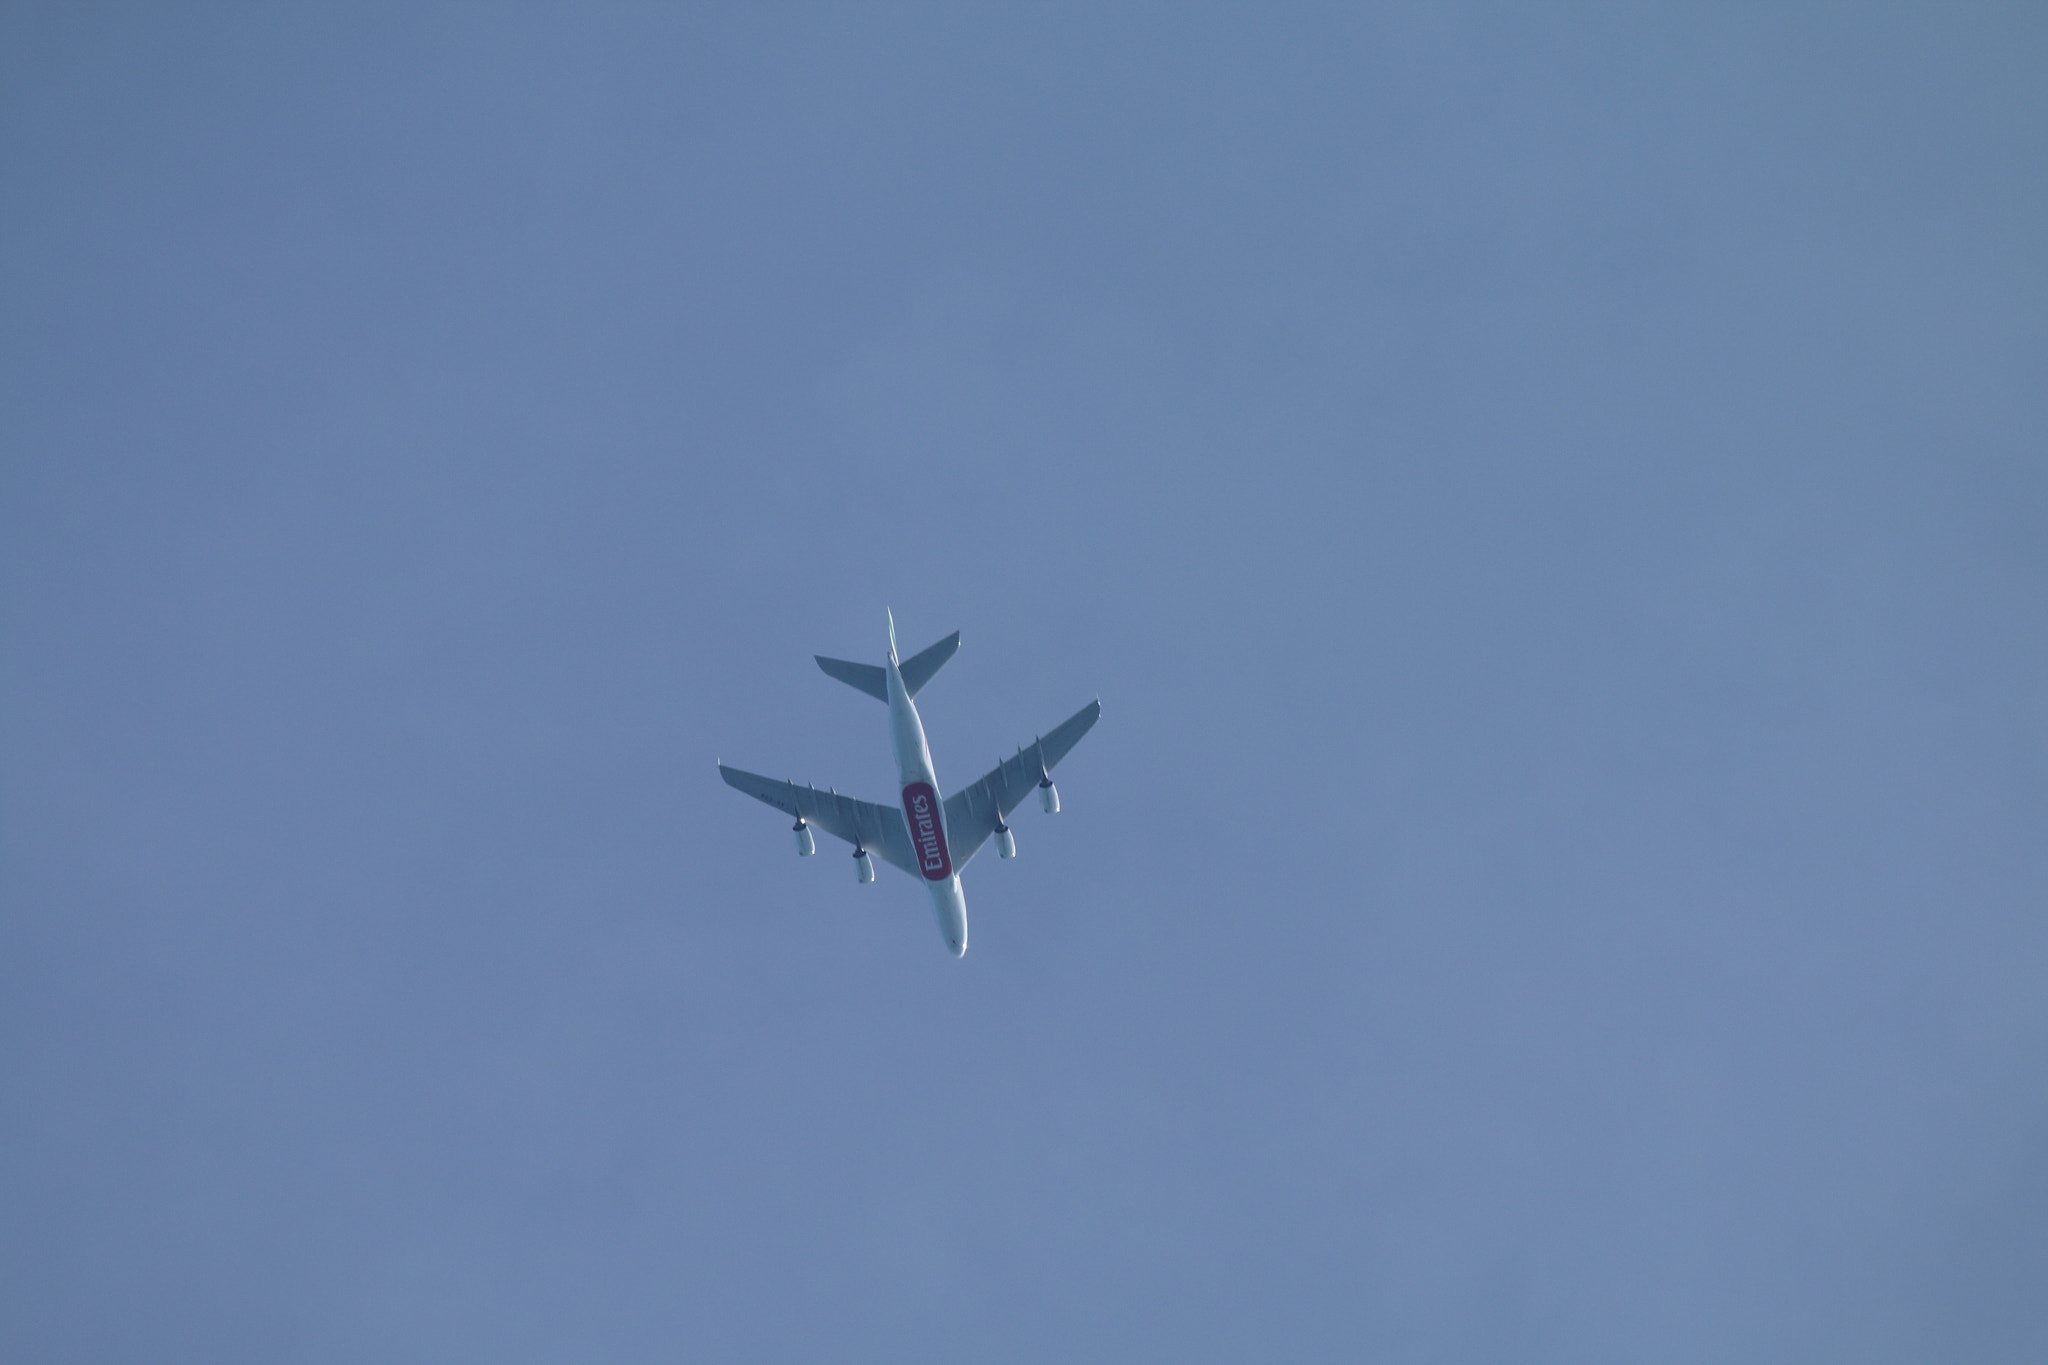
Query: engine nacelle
[
  {"x": 863, "y": 866},
  {"x": 805, "y": 844},
  {"x": 1006, "y": 842},
  {"x": 1049, "y": 797}
]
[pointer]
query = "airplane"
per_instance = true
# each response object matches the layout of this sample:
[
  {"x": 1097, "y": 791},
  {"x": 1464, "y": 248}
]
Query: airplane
[{"x": 926, "y": 837}]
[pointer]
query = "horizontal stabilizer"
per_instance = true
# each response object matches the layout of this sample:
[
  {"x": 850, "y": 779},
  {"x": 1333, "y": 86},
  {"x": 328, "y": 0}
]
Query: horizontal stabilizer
[
  {"x": 864, "y": 677},
  {"x": 917, "y": 670}
]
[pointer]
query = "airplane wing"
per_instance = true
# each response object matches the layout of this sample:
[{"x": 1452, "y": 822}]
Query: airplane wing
[
  {"x": 972, "y": 813},
  {"x": 878, "y": 829}
]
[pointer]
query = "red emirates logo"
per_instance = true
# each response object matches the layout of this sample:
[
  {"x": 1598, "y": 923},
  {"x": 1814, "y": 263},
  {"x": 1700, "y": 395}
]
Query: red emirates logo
[{"x": 927, "y": 831}]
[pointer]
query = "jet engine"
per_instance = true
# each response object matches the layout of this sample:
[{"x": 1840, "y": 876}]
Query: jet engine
[
  {"x": 863, "y": 866},
  {"x": 1049, "y": 797},
  {"x": 805, "y": 844},
  {"x": 1006, "y": 842}
]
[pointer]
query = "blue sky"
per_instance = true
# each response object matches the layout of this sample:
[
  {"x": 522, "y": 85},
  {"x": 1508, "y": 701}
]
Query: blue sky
[{"x": 1552, "y": 501}]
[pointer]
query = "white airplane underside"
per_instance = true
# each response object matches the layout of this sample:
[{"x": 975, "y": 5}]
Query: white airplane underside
[{"x": 930, "y": 838}]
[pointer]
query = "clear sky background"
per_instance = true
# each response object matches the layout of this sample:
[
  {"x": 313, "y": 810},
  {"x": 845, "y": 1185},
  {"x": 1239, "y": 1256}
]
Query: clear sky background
[{"x": 1554, "y": 502}]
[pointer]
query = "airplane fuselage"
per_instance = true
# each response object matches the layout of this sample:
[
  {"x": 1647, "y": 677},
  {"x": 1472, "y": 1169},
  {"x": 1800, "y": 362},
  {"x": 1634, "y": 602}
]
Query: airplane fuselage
[{"x": 923, "y": 809}]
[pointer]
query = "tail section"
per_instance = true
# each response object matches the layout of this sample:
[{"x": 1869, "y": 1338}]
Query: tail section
[{"x": 917, "y": 670}]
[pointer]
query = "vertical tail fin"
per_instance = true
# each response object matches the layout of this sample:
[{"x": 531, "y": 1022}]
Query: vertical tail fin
[{"x": 892, "y": 635}]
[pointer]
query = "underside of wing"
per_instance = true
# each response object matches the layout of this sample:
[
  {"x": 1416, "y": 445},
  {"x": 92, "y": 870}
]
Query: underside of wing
[
  {"x": 973, "y": 813},
  {"x": 878, "y": 829}
]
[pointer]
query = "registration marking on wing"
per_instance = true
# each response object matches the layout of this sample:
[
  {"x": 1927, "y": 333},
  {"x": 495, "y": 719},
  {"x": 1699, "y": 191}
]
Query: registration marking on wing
[{"x": 927, "y": 831}]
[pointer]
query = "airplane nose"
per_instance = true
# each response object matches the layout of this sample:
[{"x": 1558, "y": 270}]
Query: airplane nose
[{"x": 958, "y": 945}]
